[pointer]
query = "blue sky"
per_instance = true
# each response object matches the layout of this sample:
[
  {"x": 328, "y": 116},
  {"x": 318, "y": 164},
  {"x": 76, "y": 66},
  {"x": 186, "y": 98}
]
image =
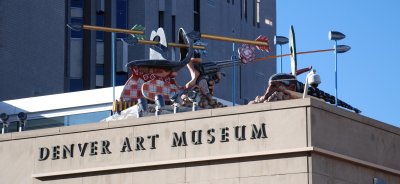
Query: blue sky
[{"x": 368, "y": 75}]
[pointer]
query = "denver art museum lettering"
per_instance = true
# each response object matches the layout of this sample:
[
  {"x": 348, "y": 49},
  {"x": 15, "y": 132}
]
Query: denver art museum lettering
[{"x": 143, "y": 143}]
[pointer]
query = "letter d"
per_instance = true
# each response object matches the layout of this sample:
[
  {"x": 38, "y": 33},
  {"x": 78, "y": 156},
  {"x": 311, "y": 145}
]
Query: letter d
[{"x": 44, "y": 153}]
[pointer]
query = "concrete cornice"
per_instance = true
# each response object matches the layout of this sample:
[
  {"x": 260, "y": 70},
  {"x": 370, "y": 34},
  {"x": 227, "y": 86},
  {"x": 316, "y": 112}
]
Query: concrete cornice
[
  {"x": 356, "y": 117},
  {"x": 288, "y": 104}
]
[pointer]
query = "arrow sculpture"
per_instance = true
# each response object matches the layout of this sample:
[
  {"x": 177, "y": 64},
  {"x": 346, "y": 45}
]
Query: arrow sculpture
[
  {"x": 262, "y": 44},
  {"x": 77, "y": 27}
]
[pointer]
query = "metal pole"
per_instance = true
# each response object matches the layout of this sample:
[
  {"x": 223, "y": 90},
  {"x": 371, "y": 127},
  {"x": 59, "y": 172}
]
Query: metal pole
[
  {"x": 281, "y": 59},
  {"x": 298, "y": 53},
  {"x": 112, "y": 30},
  {"x": 113, "y": 63},
  {"x": 233, "y": 75},
  {"x": 336, "y": 91},
  {"x": 235, "y": 40}
]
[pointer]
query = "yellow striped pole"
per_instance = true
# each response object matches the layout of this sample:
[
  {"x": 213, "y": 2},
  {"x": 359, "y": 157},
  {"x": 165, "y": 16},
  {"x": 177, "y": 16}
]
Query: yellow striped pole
[
  {"x": 235, "y": 40},
  {"x": 146, "y": 42}
]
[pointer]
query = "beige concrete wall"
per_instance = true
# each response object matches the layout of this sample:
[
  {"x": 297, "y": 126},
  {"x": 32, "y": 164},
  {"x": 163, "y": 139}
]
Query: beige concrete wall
[
  {"x": 220, "y": 162},
  {"x": 307, "y": 142},
  {"x": 355, "y": 136},
  {"x": 326, "y": 170}
]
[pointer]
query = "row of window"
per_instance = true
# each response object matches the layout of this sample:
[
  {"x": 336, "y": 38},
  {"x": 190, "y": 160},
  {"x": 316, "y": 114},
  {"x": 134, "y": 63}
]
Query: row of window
[
  {"x": 256, "y": 11},
  {"x": 76, "y": 84},
  {"x": 196, "y": 13}
]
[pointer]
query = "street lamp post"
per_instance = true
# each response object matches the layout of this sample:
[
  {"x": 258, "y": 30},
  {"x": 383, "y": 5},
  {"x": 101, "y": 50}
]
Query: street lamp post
[
  {"x": 335, "y": 36},
  {"x": 113, "y": 35}
]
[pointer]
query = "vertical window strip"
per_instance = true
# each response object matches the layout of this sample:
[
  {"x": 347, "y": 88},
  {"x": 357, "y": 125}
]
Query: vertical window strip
[
  {"x": 196, "y": 15},
  {"x": 160, "y": 18},
  {"x": 254, "y": 12},
  {"x": 241, "y": 9},
  {"x": 258, "y": 13},
  {"x": 173, "y": 28},
  {"x": 245, "y": 9}
]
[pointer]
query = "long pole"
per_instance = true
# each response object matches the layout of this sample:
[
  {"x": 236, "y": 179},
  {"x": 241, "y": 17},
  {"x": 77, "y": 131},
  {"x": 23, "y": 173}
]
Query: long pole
[
  {"x": 127, "y": 31},
  {"x": 203, "y": 35},
  {"x": 298, "y": 53},
  {"x": 336, "y": 90},
  {"x": 281, "y": 58},
  {"x": 233, "y": 75},
  {"x": 112, "y": 30},
  {"x": 284, "y": 55},
  {"x": 113, "y": 63},
  {"x": 234, "y": 40}
]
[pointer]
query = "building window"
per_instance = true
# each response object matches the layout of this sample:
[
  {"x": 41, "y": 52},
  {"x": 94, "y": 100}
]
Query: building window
[
  {"x": 196, "y": 13},
  {"x": 241, "y": 9},
  {"x": 77, "y": 3},
  {"x": 245, "y": 9},
  {"x": 258, "y": 13},
  {"x": 256, "y": 10},
  {"x": 77, "y": 34},
  {"x": 75, "y": 63},
  {"x": 76, "y": 12},
  {"x": 160, "y": 18},
  {"x": 121, "y": 78},
  {"x": 75, "y": 85},
  {"x": 122, "y": 16},
  {"x": 100, "y": 22},
  {"x": 173, "y": 28}
]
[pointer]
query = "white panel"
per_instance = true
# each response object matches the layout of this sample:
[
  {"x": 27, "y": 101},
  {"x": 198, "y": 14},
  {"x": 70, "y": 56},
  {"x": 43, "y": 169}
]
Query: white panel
[
  {"x": 99, "y": 80},
  {"x": 99, "y": 52},
  {"x": 173, "y": 7},
  {"x": 122, "y": 56},
  {"x": 76, "y": 58},
  {"x": 100, "y": 5},
  {"x": 76, "y": 12},
  {"x": 161, "y": 5}
]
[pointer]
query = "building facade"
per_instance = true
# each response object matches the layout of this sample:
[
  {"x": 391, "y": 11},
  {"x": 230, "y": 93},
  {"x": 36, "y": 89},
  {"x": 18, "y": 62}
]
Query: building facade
[
  {"x": 37, "y": 46},
  {"x": 302, "y": 141}
]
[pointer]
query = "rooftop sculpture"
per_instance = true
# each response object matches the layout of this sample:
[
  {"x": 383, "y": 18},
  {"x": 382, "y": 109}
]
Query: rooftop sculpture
[{"x": 153, "y": 80}]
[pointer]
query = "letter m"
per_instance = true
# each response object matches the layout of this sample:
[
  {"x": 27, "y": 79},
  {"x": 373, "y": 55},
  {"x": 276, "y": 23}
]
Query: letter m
[
  {"x": 258, "y": 133},
  {"x": 179, "y": 140}
]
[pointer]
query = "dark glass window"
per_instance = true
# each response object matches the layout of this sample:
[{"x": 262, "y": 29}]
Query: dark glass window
[
  {"x": 122, "y": 16},
  {"x": 196, "y": 13},
  {"x": 45, "y": 123},
  {"x": 77, "y": 3},
  {"x": 75, "y": 85},
  {"x": 35, "y": 124},
  {"x": 121, "y": 78},
  {"x": 245, "y": 9},
  {"x": 100, "y": 22},
  {"x": 85, "y": 118},
  {"x": 76, "y": 119},
  {"x": 99, "y": 69},
  {"x": 173, "y": 28},
  {"x": 77, "y": 34},
  {"x": 254, "y": 12},
  {"x": 161, "y": 19}
]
